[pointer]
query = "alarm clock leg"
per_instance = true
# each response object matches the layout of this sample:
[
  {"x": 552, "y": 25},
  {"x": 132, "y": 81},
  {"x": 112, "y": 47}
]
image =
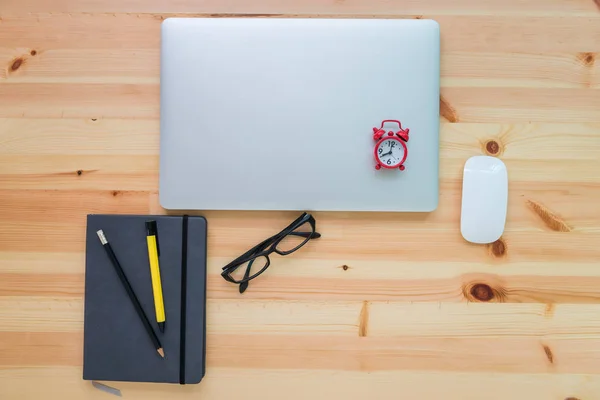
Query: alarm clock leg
[
  {"x": 401, "y": 168},
  {"x": 377, "y": 167}
]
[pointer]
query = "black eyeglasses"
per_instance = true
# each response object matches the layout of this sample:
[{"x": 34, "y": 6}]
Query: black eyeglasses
[{"x": 256, "y": 260}]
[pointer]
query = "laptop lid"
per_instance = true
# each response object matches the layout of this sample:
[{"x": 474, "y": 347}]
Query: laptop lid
[{"x": 278, "y": 114}]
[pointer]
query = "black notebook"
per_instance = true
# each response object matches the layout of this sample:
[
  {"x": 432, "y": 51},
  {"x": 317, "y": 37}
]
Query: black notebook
[{"x": 116, "y": 344}]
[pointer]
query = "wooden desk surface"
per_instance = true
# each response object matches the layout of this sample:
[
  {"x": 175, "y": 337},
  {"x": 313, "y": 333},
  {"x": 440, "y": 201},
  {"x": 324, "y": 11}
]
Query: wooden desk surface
[{"x": 384, "y": 306}]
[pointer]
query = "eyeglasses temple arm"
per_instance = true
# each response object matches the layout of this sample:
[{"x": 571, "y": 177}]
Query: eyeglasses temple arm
[
  {"x": 314, "y": 235},
  {"x": 244, "y": 285},
  {"x": 256, "y": 249}
]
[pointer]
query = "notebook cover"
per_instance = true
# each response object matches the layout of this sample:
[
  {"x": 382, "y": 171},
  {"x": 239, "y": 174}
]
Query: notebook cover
[{"x": 116, "y": 345}]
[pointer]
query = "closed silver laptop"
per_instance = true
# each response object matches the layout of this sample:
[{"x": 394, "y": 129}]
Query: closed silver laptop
[{"x": 278, "y": 114}]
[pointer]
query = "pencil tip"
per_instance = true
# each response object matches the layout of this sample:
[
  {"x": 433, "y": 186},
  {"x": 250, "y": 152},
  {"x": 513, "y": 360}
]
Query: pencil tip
[
  {"x": 161, "y": 352},
  {"x": 161, "y": 327}
]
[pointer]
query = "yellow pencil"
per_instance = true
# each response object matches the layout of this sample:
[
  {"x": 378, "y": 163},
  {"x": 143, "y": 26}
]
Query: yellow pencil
[{"x": 153, "y": 253}]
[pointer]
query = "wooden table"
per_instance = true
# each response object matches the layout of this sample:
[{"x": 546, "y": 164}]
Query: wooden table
[{"x": 384, "y": 306}]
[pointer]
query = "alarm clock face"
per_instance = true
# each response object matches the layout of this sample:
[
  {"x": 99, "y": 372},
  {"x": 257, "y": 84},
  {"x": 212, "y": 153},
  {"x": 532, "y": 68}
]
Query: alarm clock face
[{"x": 390, "y": 152}]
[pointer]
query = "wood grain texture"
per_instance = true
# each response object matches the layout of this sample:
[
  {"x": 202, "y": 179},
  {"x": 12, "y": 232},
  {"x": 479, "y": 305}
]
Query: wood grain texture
[
  {"x": 65, "y": 382},
  {"x": 381, "y": 301},
  {"x": 326, "y": 7}
]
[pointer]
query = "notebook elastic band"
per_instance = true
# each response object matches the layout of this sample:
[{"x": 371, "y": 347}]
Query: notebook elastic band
[{"x": 184, "y": 251}]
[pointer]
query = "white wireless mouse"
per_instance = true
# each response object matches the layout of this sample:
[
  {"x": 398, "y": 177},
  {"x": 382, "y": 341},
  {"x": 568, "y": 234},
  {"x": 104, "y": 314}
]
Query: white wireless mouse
[{"x": 484, "y": 199}]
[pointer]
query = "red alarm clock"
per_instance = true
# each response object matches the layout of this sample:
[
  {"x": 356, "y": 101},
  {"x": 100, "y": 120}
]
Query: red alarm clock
[{"x": 390, "y": 149}]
